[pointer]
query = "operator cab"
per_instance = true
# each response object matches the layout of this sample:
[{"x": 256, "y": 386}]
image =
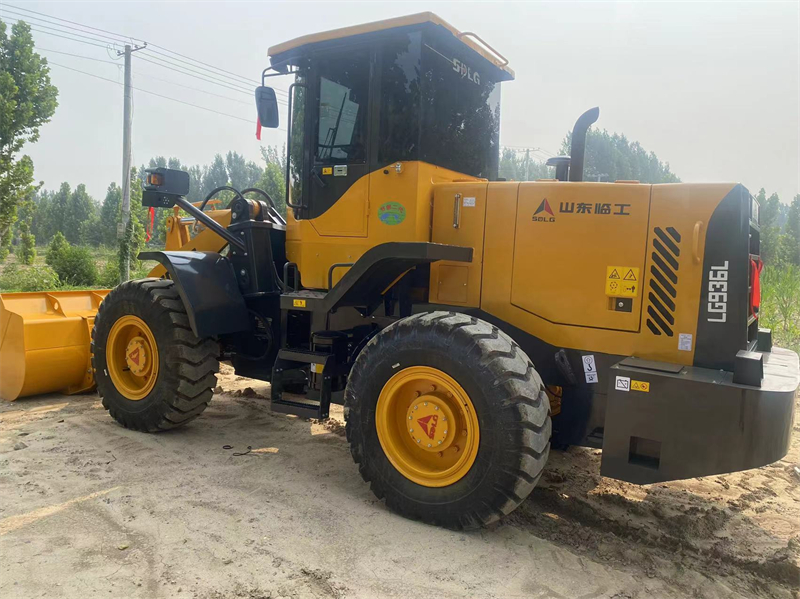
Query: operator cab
[{"x": 378, "y": 96}]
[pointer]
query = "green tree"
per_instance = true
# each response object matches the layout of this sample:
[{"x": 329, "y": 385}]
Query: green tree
[
  {"x": 132, "y": 241},
  {"x": 131, "y": 244},
  {"x": 612, "y": 157},
  {"x": 216, "y": 175},
  {"x": 770, "y": 210},
  {"x": 27, "y": 101},
  {"x": 195, "y": 183},
  {"x": 27, "y": 241},
  {"x": 521, "y": 166},
  {"x": 793, "y": 230},
  {"x": 80, "y": 208},
  {"x": 273, "y": 178},
  {"x": 779, "y": 307},
  {"x": 242, "y": 173},
  {"x": 59, "y": 204},
  {"x": 40, "y": 226},
  {"x": 57, "y": 246},
  {"x": 110, "y": 214}
]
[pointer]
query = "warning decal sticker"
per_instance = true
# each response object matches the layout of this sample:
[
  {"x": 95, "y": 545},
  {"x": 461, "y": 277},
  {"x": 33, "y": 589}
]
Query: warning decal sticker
[
  {"x": 589, "y": 368},
  {"x": 622, "y": 281},
  {"x": 642, "y": 386}
]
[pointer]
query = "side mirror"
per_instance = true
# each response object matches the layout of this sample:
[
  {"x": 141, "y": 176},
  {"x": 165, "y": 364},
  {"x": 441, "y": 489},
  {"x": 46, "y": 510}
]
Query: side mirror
[
  {"x": 267, "y": 106},
  {"x": 163, "y": 185}
]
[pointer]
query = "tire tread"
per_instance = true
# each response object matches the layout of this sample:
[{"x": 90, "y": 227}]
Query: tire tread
[
  {"x": 193, "y": 361},
  {"x": 517, "y": 390}
]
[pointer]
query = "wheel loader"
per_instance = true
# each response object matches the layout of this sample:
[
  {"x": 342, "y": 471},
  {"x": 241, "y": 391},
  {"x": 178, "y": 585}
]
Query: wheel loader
[{"x": 465, "y": 322}]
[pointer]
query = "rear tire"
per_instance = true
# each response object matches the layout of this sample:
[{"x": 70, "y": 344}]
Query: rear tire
[
  {"x": 498, "y": 380},
  {"x": 184, "y": 373}
]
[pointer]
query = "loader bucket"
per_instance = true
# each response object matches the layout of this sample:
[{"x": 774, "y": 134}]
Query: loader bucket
[{"x": 45, "y": 342}]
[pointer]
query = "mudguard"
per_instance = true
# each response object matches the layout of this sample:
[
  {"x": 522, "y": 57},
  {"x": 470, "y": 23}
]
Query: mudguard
[{"x": 208, "y": 287}]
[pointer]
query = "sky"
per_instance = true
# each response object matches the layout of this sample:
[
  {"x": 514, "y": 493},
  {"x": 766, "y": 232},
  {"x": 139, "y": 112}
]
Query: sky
[{"x": 712, "y": 88}]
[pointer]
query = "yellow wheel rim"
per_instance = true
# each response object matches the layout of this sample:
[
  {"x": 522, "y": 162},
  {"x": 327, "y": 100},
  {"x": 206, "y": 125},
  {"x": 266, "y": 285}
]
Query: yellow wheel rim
[
  {"x": 427, "y": 426},
  {"x": 132, "y": 357}
]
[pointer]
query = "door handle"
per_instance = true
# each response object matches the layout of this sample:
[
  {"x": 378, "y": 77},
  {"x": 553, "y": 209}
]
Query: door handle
[{"x": 457, "y": 211}]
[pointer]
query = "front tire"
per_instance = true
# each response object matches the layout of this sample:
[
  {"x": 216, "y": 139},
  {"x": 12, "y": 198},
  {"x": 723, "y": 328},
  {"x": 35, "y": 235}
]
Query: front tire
[
  {"x": 152, "y": 372},
  {"x": 451, "y": 369}
]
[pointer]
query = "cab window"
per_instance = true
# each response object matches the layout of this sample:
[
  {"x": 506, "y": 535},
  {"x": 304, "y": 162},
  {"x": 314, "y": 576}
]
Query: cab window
[{"x": 342, "y": 110}]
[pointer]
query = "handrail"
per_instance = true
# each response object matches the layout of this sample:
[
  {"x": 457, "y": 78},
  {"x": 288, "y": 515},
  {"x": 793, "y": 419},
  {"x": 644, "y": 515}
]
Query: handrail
[
  {"x": 296, "y": 278},
  {"x": 334, "y": 267},
  {"x": 502, "y": 59},
  {"x": 698, "y": 226},
  {"x": 289, "y": 126}
]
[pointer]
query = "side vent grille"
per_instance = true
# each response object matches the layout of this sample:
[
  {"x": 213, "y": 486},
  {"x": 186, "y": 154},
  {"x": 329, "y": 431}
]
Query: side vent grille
[{"x": 664, "y": 280}]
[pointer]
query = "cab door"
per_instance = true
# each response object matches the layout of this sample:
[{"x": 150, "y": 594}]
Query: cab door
[{"x": 338, "y": 185}]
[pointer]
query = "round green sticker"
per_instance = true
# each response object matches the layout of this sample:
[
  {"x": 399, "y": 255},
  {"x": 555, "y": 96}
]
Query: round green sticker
[{"x": 392, "y": 213}]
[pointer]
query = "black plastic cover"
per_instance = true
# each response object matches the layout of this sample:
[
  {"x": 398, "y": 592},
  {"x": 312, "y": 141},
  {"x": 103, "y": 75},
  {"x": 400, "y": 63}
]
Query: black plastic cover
[{"x": 209, "y": 290}]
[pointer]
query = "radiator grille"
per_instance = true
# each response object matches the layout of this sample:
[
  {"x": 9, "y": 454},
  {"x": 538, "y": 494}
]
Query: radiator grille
[{"x": 664, "y": 280}]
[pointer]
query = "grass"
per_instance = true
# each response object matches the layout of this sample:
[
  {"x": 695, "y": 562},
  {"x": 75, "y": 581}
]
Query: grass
[{"x": 38, "y": 276}]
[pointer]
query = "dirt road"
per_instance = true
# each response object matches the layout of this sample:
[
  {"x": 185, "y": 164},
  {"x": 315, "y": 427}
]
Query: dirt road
[{"x": 90, "y": 509}]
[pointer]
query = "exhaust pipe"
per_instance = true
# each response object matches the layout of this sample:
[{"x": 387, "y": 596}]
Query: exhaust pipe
[{"x": 579, "y": 142}]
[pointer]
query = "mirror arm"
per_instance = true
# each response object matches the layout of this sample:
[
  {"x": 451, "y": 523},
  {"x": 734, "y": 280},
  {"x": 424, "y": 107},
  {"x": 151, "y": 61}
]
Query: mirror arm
[{"x": 210, "y": 223}]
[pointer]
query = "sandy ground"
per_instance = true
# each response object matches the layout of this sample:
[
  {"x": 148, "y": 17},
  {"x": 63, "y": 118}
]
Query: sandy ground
[{"x": 90, "y": 509}]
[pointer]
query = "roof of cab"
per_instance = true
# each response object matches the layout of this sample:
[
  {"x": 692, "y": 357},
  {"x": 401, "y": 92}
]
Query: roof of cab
[{"x": 467, "y": 37}]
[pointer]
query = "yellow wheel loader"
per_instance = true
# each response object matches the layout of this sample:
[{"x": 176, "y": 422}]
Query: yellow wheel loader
[{"x": 466, "y": 323}]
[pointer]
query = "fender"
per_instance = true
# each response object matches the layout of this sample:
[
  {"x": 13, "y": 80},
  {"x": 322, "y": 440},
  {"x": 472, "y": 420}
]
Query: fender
[{"x": 208, "y": 287}]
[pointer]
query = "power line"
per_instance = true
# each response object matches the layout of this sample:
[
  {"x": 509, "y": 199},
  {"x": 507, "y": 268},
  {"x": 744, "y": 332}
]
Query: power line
[
  {"x": 47, "y": 26},
  {"x": 170, "y": 61},
  {"x": 192, "y": 61},
  {"x": 249, "y": 81},
  {"x": 69, "y": 38},
  {"x": 529, "y": 149},
  {"x": 94, "y": 39},
  {"x": 114, "y": 62},
  {"x": 124, "y": 38},
  {"x": 207, "y": 80},
  {"x": 147, "y": 76},
  {"x": 74, "y": 23},
  {"x": 145, "y": 91},
  {"x": 191, "y": 73},
  {"x": 196, "y": 89},
  {"x": 19, "y": 15}
]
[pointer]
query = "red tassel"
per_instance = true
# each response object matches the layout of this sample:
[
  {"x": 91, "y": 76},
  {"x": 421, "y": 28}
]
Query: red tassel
[
  {"x": 258, "y": 129},
  {"x": 755, "y": 292},
  {"x": 152, "y": 221}
]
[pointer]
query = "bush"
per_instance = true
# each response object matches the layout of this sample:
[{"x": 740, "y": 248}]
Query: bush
[
  {"x": 110, "y": 275},
  {"x": 34, "y": 278},
  {"x": 54, "y": 250},
  {"x": 74, "y": 265},
  {"x": 780, "y": 304}
]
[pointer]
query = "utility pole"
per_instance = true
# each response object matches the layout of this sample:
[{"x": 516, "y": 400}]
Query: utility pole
[
  {"x": 527, "y": 162},
  {"x": 126, "y": 159},
  {"x": 126, "y": 162}
]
